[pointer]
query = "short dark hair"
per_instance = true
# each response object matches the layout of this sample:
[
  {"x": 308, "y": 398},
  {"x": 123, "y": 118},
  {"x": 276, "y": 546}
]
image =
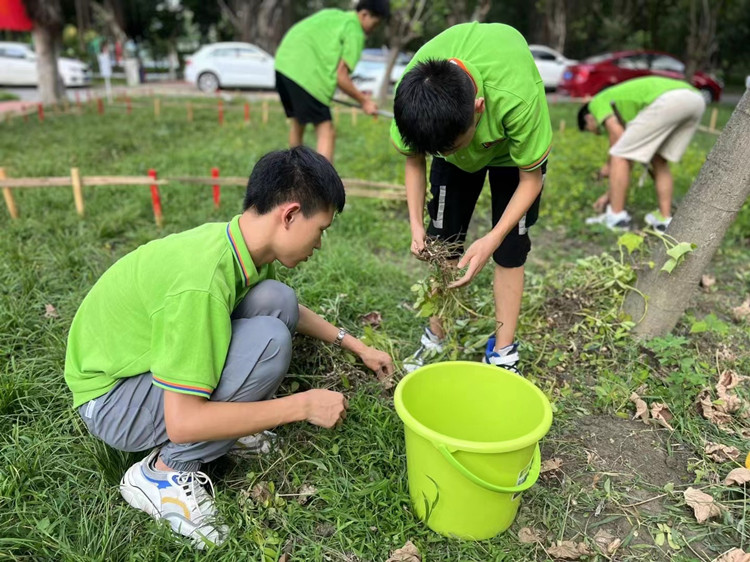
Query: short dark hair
[
  {"x": 296, "y": 174},
  {"x": 381, "y": 8},
  {"x": 582, "y": 117},
  {"x": 434, "y": 105}
]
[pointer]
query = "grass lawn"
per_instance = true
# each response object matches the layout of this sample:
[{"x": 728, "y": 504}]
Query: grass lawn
[{"x": 618, "y": 478}]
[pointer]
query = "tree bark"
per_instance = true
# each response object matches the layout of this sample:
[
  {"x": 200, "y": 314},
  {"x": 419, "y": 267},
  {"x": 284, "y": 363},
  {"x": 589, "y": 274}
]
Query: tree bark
[
  {"x": 704, "y": 216},
  {"x": 262, "y": 22},
  {"x": 47, "y": 44}
]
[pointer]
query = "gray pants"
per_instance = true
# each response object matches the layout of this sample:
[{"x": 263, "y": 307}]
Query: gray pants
[{"x": 130, "y": 417}]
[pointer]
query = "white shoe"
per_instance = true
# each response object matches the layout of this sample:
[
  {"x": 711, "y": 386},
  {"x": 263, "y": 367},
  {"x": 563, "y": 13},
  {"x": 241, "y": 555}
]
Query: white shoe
[
  {"x": 259, "y": 444},
  {"x": 429, "y": 346},
  {"x": 613, "y": 221},
  {"x": 177, "y": 497},
  {"x": 657, "y": 221}
]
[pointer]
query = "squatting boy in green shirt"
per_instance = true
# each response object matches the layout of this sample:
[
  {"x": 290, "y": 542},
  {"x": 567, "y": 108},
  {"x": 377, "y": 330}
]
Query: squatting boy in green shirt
[
  {"x": 472, "y": 98},
  {"x": 316, "y": 55},
  {"x": 181, "y": 344},
  {"x": 648, "y": 120}
]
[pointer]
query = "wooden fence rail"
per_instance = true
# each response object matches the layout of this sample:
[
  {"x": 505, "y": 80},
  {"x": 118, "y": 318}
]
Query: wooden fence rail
[{"x": 354, "y": 187}]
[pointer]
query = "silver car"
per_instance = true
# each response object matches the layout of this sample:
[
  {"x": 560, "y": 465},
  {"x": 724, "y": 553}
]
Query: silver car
[{"x": 230, "y": 65}]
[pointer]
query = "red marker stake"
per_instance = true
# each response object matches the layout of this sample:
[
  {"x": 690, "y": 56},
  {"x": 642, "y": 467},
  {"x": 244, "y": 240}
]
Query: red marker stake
[
  {"x": 100, "y": 106},
  {"x": 247, "y": 112},
  {"x": 156, "y": 200},
  {"x": 40, "y": 112},
  {"x": 217, "y": 187}
]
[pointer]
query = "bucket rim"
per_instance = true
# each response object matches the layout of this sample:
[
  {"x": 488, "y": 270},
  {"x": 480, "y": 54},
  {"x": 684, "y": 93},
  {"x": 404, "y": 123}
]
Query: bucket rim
[{"x": 455, "y": 444}]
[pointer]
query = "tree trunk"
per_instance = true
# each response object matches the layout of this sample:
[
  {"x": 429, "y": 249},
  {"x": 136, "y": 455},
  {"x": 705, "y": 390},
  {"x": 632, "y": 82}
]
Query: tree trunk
[
  {"x": 390, "y": 63},
  {"x": 703, "y": 218},
  {"x": 701, "y": 41},
  {"x": 47, "y": 44}
]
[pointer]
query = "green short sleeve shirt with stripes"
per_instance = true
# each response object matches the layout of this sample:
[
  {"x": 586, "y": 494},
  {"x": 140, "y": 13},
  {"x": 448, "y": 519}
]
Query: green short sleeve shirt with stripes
[
  {"x": 310, "y": 52},
  {"x": 163, "y": 308},
  {"x": 515, "y": 128}
]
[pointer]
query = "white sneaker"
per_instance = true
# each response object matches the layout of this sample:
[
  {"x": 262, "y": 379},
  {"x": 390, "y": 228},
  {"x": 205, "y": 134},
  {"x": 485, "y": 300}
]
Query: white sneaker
[
  {"x": 177, "y": 497},
  {"x": 658, "y": 221},
  {"x": 613, "y": 221},
  {"x": 429, "y": 346},
  {"x": 259, "y": 444}
]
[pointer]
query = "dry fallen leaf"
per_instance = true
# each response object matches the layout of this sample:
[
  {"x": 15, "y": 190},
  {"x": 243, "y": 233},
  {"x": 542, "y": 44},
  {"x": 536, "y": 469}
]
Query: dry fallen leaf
[
  {"x": 742, "y": 312},
  {"x": 738, "y": 476},
  {"x": 373, "y": 319},
  {"x": 50, "y": 311},
  {"x": 734, "y": 555},
  {"x": 407, "y": 553},
  {"x": 261, "y": 492},
  {"x": 285, "y": 558},
  {"x": 641, "y": 409},
  {"x": 305, "y": 493},
  {"x": 661, "y": 414},
  {"x": 729, "y": 379},
  {"x": 569, "y": 550},
  {"x": 527, "y": 535},
  {"x": 703, "y": 505},
  {"x": 707, "y": 410},
  {"x": 721, "y": 453},
  {"x": 551, "y": 465},
  {"x": 707, "y": 281}
]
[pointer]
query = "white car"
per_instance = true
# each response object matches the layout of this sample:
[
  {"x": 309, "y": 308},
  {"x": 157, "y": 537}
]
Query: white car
[
  {"x": 370, "y": 70},
  {"x": 551, "y": 65},
  {"x": 224, "y": 65},
  {"x": 18, "y": 67}
]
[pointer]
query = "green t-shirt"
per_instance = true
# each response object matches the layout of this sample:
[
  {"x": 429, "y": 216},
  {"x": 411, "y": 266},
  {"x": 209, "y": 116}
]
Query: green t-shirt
[
  {"x": 164, "y": 308},
  {"x": 515, "y": 128},
  {"x": 310, "y": 51},
  {"x": 630, "y": 97}
]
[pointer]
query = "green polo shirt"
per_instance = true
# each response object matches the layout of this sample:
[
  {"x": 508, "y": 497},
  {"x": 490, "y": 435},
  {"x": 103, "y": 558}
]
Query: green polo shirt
[
  {"x": 164, "y": 308},
  {"x": 630, "y": 97},
  {"x": 515, "y": 128},
  {"x": 310, "y": 51}
]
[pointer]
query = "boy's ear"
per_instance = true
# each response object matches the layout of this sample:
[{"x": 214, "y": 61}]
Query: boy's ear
[
  {"x": 479, "y": 105},
  {"x": 289, "y": 212}
]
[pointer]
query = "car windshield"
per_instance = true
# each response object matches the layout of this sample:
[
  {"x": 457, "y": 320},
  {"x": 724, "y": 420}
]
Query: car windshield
[{"x": 598, "y": 58}]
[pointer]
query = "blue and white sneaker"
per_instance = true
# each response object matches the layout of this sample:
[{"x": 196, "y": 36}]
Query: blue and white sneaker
[
  {"x": 507, "y": 357},
  {"x": 430, "y": 346},
  {"x": 180, "y": 498}
]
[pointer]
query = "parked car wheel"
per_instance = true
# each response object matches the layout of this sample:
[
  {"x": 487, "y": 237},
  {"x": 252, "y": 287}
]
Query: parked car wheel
[
  {"x": 208, "y": 82},
  {"x": 708, "y": 95}
]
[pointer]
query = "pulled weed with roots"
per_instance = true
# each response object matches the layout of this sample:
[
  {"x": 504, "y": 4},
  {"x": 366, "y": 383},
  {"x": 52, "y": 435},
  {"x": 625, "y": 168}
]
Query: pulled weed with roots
[{"x": 465, "y": 320}]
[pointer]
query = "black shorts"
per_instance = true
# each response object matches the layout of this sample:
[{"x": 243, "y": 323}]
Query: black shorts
[
  {"x": 454, "y": 196},
  {"x": 299, "y": 104}
]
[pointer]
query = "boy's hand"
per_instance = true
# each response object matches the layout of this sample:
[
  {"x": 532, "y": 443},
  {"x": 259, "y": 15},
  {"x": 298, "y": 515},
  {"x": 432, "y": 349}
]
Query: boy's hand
[
  {"x": 377, "y": 361},
  {"x": 476, "y": 257},
  {"x": 325, "y": 408},
  {"x": 601, "y": 204},
  {"x": 370, "y": 107},
  {"x": 418, "y": 236}
]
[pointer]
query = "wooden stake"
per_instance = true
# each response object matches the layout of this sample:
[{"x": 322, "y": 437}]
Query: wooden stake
[
  {"x": 75, "y": 178},
  {"x": 216, "y": 187},
  {"x": 221, "y": 111},
  {"x": 40, "y": 112},
  {"x": 247, "y": 112},
  {"x": 265, "y": 112},
  {"x": 190, "y": 112},
  {"x": 156, "y": 200},
  {"x": 562, "y": 125},
  {"x": 714, "y": 116},
  {"x": 354, "y": 115},
  {"x": 157, "y": 107},
  {"x": 8, "y": 196}
]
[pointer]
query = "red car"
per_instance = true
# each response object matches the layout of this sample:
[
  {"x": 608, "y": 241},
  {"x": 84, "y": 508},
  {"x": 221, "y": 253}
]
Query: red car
[{"x": 592, "y": 75}]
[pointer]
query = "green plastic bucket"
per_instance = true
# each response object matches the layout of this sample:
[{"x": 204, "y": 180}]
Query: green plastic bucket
[{"x": 472, "y": 434}]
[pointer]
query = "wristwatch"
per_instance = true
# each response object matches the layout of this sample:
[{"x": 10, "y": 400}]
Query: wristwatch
[{"x": 340, "y": 337}]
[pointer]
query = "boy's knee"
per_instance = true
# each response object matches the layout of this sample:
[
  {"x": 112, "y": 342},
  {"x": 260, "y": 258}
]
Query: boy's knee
[{"x": 270, "y": 298}]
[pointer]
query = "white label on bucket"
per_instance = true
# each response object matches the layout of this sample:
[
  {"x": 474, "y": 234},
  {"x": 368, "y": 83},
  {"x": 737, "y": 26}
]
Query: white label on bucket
[{"x": 521, "y": 479}]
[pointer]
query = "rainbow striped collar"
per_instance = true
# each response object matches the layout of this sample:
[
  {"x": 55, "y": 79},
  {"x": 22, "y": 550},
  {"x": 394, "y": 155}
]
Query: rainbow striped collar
[{"x": 241, "y": 254}]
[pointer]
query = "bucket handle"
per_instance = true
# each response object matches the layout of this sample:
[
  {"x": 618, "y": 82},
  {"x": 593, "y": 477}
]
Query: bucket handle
[{"x": 531, "y": 478}]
